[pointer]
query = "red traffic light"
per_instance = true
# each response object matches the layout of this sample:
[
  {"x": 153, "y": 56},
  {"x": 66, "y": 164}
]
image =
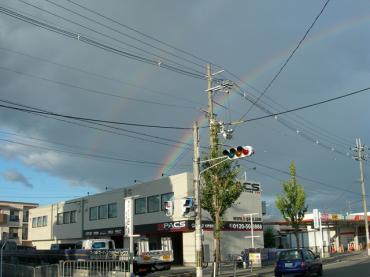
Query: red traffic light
[{"x": 239, "y": 152}]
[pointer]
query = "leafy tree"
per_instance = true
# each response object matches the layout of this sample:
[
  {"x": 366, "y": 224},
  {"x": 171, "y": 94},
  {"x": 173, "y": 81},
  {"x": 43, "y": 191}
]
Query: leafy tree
[
  {"x": 268, "y": 238},
  {"x": 292, "y": 203},
  {"x": 219, "y": 191}
]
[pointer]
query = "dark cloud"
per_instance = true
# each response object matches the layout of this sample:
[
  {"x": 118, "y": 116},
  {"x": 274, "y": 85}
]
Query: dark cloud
[
  {"x": 14, "y": 176},
  {"x": 251, "y": 38}
]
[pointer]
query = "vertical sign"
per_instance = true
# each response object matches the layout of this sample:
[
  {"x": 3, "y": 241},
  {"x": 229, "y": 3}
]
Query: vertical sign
[
  {"x": 128, "y": 217},
  {"x": 316, "y": 223}
]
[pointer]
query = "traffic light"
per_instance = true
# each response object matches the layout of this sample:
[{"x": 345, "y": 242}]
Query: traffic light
[
  {"x": 168, "y": 208},
  {"x": 238, "y": 152},
  {"x": 187, "y": 206}
]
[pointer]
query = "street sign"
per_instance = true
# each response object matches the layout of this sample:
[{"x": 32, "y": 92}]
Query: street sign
[{"x": 128, "y": 217}]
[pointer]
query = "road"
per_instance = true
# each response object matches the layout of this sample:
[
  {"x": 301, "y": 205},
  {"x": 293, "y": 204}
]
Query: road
[{"x": 357, "y": 265}]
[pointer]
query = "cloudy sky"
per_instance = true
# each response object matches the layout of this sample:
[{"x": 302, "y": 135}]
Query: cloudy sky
[{"x": 142, "y": 62}]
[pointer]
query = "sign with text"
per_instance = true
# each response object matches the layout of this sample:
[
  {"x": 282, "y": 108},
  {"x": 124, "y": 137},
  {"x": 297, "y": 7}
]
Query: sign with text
[
  {"x": 128, "y": 217},
  {"x": 252, "y": 187},
  {"x": 316, "y": 219},
  {"x": 255, "y": 259}
]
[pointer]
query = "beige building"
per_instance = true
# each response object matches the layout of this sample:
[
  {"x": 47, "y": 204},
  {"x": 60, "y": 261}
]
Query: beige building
[
  {"x": 102, "y": 215},
  {"x": 14, "y": 221}
]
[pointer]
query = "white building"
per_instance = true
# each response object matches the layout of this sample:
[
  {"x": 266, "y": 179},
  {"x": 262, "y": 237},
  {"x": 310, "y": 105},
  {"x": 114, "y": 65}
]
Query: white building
[{"x": 102, "y": 215}]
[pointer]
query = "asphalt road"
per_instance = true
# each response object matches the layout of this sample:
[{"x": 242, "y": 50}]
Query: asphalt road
[{"x": 355, "y": 267}]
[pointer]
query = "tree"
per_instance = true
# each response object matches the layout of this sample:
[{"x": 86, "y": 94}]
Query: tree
[
  {"x": 219, "y": 191},
  {"x": 268, "y": 238},
  {"x": 292, "y": 203}
]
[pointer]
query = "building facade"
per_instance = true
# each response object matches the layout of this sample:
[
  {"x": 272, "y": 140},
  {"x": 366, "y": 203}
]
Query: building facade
[
  {"x": 338, "y": 233},
  {"x": 14, "y": 217},
  {"x": 102, "y": 215}
]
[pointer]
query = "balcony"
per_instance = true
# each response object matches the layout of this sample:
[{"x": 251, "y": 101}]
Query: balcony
[{"x": 13, "y": 218}]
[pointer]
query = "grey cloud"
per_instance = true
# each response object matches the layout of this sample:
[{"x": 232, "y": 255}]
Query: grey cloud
[{"x": 16, "y": 177}]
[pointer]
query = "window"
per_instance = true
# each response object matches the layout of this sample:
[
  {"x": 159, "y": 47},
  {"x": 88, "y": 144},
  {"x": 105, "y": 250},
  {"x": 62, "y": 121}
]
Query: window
[
  {"x": 153, "y": 203},
  {"x": 45, "y": 220},
  {"x": 60, "y": 218},
  {"x": 66, "y": 217},
  {"x": 73, "y": 217},
  {"x": 103, "y": 212},
  {"x": 34, "y": 222},
  {"x": 93, "y": 213},
  {"x": 165, "y": 197},
  {"x": 140, "y": 205},
  {"x": 98, "y": 245},
  {"x": 39, "y": 221},
  {"x": 112, "y": 210}
]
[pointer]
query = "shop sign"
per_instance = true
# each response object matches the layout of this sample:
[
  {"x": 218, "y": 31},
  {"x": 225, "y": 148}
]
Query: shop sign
[
  {"x": 252, "y": 187},
  {"x": 324, "y": 217},
  {"x": 316, "y": 219},
  {"x": 232, "y": 226},
  {"x": 334, "y": 217},
  {"x": 128, "y": 217},
  {"x": 175, "y": 226}
]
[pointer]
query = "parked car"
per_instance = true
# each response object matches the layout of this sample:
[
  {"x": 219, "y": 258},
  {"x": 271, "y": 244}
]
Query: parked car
[{"x": 301, "y": 262}]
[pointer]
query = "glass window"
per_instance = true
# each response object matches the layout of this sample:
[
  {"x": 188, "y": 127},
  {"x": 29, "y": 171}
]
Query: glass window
[
  {"x": 45, "y": 220},
  {"x": 34, "y": 222},
  {"x": 290, "y": 255},
  {"x": 73, "y": 217},
  {"x": 112, "y": 210},
  {"x": 60, "y": 218},
  {"x": 153, "y": 203},
  {"x": 165, "y": 197},
  {"x": 98, "y": 245},
  {"x": 93, "y": 213},
  {"x": 103, "y": 211},
  {"x": 140, "y": 205},
  {"x": 39, "y": 221},
  {"x": 66, "y": 217}
]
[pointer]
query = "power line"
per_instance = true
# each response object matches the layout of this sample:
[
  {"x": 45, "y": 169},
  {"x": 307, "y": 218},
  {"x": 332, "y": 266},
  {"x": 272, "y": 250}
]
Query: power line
[
  {"x": 97, "y": 75},
  {"x": 302, "y": 177},
  {"x": 92, "y": 42},
  {"x": 289, "y": 58},
  {"x": 124, "y": 34},
  {"x": 142, "y": 33},
  {"x": 38, "y": 111},
  {"x": 108, "y": 36},
  {"x": 302, "y": 107},
  {"x": 94, "y": 91}
]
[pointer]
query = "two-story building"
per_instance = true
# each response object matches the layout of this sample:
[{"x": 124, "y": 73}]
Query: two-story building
[
  {"x": 14, "y": 220},
  {"x": 102, "y": 215}
]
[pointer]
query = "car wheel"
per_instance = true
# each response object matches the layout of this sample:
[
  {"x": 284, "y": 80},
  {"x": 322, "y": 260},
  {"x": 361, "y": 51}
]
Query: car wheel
[{"x": 319, "y": 273}]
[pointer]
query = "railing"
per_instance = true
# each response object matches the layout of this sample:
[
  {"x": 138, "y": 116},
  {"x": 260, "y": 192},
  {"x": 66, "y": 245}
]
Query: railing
[{"x": 94, "y": 268}]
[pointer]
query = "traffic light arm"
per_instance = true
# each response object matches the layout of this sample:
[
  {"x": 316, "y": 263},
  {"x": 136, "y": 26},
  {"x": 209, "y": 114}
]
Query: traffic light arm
[
  {"x": 214, "y": 159},
  {"x": 213, "y": 166}
]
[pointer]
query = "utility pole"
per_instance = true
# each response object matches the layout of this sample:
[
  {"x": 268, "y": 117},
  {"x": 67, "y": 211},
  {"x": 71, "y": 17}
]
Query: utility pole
[
  {"x": 212, "y": 132},
  {"x": 198, "y": 208},
  {"x": 360, "y": 149}
]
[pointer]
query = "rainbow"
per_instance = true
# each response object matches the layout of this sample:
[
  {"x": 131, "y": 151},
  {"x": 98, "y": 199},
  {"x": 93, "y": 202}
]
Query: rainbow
[{"x": 177, "y": 152}]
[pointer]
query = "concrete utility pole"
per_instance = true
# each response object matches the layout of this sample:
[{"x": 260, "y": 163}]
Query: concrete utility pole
[
  {"x": 361, "y": 157},
  {"x": 198, "y": 209},
  {"x": 210, "y": 107}
]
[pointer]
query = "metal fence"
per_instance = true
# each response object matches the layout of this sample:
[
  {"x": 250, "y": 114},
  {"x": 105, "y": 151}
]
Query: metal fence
[
  {"x": 16, "y": 270},
  {"x": 94, "y": 268}
]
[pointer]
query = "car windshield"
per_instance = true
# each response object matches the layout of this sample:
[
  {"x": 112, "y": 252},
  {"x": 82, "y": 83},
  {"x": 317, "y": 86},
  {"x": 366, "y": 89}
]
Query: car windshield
[{"x": 290, "y": 255}]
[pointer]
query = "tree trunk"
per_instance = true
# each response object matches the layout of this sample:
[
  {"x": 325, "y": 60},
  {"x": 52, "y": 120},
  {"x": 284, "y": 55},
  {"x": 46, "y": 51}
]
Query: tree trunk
[
  {"x": 297, "y": 237},
  {"x": 216, "y": 244}
]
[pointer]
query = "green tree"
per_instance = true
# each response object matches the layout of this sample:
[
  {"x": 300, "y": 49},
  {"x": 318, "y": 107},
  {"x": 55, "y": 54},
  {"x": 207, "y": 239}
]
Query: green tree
[
  {"x": 219, "y": 191},
  {"x": 292, "y": 202},
  {"x": 269, "y": 238}
]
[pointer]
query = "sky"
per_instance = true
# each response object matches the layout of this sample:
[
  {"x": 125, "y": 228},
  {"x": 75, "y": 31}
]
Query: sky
[{"x": 139, "y": 74}]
